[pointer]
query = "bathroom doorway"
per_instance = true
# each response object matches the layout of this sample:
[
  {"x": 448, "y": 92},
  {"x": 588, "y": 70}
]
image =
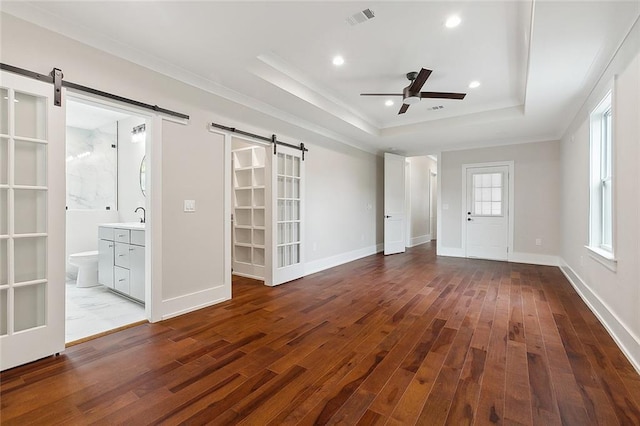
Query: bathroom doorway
[{"x": 106, "y": 172}]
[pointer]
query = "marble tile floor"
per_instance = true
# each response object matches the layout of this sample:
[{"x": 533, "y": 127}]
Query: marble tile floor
[{"x": 94, "y": 310}]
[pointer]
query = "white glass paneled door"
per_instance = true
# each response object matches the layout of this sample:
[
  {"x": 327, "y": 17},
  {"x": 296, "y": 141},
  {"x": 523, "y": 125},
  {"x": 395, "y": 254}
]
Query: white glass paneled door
[
  {"x": 288, "y": 231},
  {"x": 32, "y": 179}
]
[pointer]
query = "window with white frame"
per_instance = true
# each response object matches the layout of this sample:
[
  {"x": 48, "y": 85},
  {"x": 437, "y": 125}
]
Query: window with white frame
[{"x": 601, "y": 196}]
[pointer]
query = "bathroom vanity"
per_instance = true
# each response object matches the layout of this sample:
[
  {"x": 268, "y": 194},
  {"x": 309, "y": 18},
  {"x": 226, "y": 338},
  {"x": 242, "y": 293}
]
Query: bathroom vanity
[{"x": 121, "y": 258}]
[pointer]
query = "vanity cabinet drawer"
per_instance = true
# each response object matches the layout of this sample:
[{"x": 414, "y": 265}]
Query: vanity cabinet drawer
[
  {"x": 122, "y": 235},
  {"x": 121, "y": 280},
  {"x": 105, "y": 233},
  {"x": 105, "y": 262},
  {"x": 137, "y": 237},
  {"x": 122, "y": 255}
]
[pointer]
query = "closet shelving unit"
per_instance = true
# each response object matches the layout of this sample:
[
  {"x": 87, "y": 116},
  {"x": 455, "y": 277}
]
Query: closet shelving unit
[{"x": 249, "y": 212}]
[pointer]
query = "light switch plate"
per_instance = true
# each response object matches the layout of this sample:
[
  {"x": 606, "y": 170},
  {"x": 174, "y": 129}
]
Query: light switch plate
[{"x": 189, "y": 206}]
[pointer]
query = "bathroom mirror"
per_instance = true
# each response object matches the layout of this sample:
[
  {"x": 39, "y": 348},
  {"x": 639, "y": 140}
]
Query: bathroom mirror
[{"x": 143, "y": 176}]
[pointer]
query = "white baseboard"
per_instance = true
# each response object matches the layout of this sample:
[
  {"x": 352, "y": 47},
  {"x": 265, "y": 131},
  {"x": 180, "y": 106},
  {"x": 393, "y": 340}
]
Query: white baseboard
[
  {"x": 534, "y": 259},
  {"x": 193, "y": 301},
  {"x": 339, "y": 259},
  {"x": 450, "y": 251},
  {"x": 626, "y": 340},
  {"x": 416, "y": 241},
  {"x": 530, "y": 258}
]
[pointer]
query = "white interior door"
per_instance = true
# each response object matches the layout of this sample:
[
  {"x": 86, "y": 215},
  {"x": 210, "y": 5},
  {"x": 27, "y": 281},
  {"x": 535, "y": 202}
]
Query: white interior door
[
  {"x": 487, "y": 213},
  {"x": 287, "y": 255},
  {"x": 32, "y": 221},
  {"x": 394, "y": 204}
]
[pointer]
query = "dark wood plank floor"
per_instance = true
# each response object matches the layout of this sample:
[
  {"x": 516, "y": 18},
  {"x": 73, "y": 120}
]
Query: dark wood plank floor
[{"x": 399, "y": 340}]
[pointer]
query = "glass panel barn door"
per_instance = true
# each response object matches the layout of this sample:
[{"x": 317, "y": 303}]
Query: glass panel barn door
[
  {"x": 32, "y": 179},
  {"x": 288, "y": 229}
]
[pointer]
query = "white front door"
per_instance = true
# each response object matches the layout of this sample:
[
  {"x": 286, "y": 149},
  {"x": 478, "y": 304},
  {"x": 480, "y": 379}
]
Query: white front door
[
  {"x": 394, "y": 204},
  {"x": 32, "y": 221},
  {"x": 487, "y": 212},
  {"x": 287, "y": 230}
]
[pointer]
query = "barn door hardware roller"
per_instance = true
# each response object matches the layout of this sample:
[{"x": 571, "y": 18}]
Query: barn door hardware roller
[{"x": 272, "y": 140}]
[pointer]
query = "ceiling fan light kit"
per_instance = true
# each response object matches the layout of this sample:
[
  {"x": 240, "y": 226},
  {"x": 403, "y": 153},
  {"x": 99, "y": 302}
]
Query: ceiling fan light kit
[{"x": 412, "y": 94}]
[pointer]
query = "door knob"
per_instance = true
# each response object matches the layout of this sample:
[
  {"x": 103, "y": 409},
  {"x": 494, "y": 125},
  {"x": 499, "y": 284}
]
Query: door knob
[
  {"x": 469, "y": 219},
  {"x": 386, "y": 216}
]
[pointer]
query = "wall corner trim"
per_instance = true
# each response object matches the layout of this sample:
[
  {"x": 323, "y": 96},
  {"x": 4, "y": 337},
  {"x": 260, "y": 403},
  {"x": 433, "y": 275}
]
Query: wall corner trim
[{"x": 626, "y": 340}]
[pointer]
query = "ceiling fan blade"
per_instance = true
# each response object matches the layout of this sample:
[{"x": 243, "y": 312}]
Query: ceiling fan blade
[
  {"x": 403, "y": 109},
  {"x": 442, "y": 95},
  {"x": 380, "y": 94},
  {"x": 422, "y": 77}
]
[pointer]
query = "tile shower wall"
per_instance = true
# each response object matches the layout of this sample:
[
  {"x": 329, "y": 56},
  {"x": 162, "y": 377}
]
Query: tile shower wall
[
  {"x": 92, "y": 168},
  {"x": 91, "y": 187}
]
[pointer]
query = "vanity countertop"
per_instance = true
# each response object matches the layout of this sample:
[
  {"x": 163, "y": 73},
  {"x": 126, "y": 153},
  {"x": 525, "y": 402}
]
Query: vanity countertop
[{"x": 128, "y": 225}]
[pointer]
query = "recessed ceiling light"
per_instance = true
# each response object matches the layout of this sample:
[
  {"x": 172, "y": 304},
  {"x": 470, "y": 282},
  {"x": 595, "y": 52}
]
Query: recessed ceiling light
[
  {"x": 388, "y": 102},
  {"x": 338, "y": 60},
  {"x": 474, "y": 84},
  {"x": 452, "y": 21}
]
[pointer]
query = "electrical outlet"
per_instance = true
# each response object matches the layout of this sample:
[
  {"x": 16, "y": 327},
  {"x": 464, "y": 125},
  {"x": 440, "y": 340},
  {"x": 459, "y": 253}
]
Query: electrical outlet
[
  {"x": 538, "y": 241},
  {"x": 189, "y": 206}
]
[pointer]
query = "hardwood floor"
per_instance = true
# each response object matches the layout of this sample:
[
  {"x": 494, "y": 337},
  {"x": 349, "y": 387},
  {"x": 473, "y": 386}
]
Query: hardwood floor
[{"x": 398, "y": 340}]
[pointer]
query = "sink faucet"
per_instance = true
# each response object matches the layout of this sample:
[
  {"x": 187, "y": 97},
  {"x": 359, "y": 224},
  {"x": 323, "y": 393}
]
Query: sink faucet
[{"x": 143, "y": 219}]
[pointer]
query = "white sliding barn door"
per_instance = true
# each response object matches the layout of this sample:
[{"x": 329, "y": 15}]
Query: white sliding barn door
[
  {"x": 32, "y": 221},
  {"x": 287, "y": 241},
  {"x": 394, "y": 204}
]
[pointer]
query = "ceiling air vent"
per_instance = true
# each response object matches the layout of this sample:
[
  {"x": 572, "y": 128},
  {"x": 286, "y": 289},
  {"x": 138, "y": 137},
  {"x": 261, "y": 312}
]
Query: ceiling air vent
[{"x": 360, "y": 17}]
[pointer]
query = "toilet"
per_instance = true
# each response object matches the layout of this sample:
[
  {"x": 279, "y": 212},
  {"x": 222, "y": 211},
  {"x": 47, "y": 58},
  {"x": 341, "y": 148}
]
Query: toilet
[{"x": 87, "y": 263}]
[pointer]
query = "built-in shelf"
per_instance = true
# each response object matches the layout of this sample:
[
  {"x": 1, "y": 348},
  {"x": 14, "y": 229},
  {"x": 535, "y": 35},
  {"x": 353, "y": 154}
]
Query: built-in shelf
[{"x": 249, "y": 211}]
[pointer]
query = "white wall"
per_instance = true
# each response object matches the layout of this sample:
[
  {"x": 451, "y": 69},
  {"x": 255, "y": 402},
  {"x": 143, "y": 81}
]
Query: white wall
[
  {"x": 419, "y": 215},
  {"x": 344, "y": 204},
  {"x": 129, "y": 158},
  {"x": 342, "y": 182},
  {"x": 536, "y": 204},
  {"x": 613, "y": 296}
]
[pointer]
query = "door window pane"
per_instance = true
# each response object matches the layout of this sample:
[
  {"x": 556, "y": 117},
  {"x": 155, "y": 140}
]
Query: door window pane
[
  {"x": 4, "y": 262},
  {"x": 30, "y": 259},
  {"x": 4, "y": 161},
  {"x": 487, "y": 194},
  {"x": 29, "y": 306},
  {"x": 3, "y": 311},
  {"x": 4, "y": 111},
  {"x": 296, "y": 167},
  {"x": 4, "y": 212},
  {"x": 30, "y": 211},
  {"x": 30, "y": 163},
  {"x": 30, "y": 116}
]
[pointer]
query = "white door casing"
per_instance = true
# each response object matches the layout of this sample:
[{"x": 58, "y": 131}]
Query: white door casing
[
  {"x": 32, "y": 221},
  {"x": 487, "y": 211},
  {"x": 394, "y": 204},
  {"x": 433, "y": 201}
]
